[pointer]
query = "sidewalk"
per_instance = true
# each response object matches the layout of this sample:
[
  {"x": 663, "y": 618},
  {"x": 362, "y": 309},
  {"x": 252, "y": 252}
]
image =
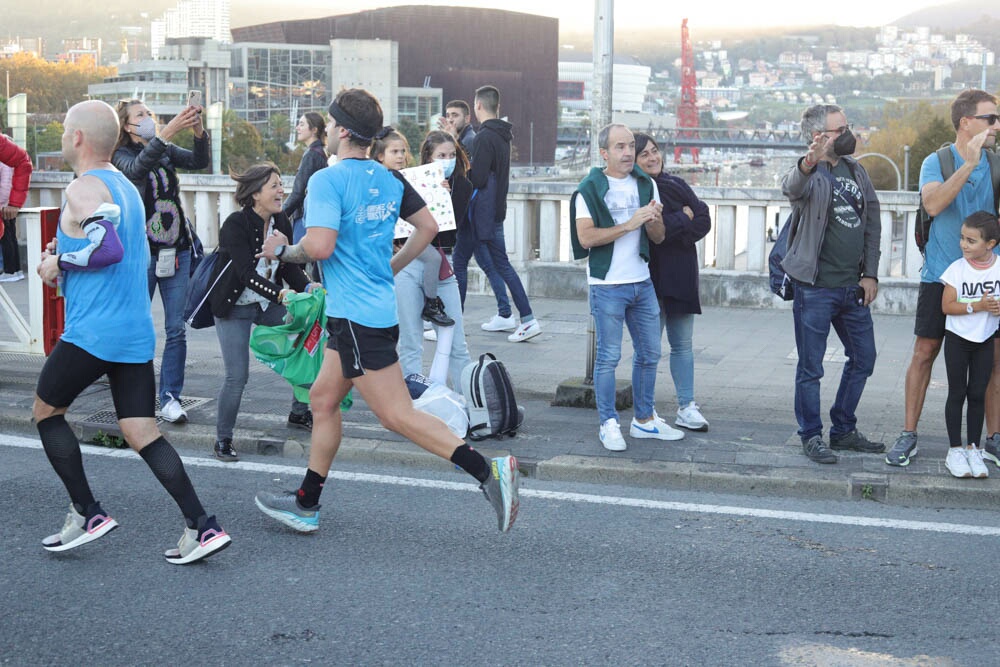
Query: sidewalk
[{"x": 744, "y": 372}]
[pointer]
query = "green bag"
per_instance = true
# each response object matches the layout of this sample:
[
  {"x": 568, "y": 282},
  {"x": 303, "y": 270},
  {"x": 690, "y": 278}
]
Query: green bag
[{"x": 294, "y": 349}]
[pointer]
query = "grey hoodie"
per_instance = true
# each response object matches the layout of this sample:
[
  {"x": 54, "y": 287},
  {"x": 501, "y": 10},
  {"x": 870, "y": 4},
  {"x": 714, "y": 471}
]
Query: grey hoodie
[{"x": 811, "y": 194}]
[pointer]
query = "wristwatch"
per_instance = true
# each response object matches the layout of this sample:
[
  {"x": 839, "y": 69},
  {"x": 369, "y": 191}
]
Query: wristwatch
[
  {"x": 280, "y": 250},
  {"x": 968, "y": 307}
]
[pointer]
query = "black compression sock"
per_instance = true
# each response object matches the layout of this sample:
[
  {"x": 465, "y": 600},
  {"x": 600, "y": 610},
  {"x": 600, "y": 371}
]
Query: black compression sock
[
  {"x": 163, "y": 460},
  {"x": 312, "y": 486},
  {"x": 472, "y": 462},
  {"x": 63, "y": 450}
]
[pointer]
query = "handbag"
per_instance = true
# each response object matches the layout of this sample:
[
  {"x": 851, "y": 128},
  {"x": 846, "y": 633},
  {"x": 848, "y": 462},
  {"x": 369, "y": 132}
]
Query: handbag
[{"x": 197, "y": 309}]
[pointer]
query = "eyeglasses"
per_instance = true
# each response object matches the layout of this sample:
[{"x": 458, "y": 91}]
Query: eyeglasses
[
  {"x": 990, "y": 118},
  {"x": 840, "y": 130}
]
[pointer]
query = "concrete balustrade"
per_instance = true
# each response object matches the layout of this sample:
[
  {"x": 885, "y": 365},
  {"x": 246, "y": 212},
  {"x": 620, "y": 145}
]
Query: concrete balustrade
[{"x": 733, "y": 255}]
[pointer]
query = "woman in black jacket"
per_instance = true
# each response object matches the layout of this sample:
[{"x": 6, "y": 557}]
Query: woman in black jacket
[
  {"x": 249, "y": 292},
  {"x": 673, "y": 266},
  {"x": 311, "y": 130},
  {"x": 150, "y": 161}
]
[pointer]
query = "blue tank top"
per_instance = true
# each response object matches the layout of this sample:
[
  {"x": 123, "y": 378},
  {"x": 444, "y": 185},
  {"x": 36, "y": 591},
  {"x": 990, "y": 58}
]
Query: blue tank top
[{"x": 108, "y": 310}]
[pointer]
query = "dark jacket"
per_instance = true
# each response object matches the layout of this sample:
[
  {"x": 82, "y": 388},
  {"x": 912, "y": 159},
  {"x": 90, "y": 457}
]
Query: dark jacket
[
  {"x": 673, "y": 263},
  {"x": 140, "y": 165},
  {"x": 811, "y": 194},
  {"x": 490, "y": 176},
  {"x": 240, "y": 239},
  {"x": 461, "y": 193},
  {"x": 467, "y": 138},
  {"x": 592, "y": 189},
  {"x": 312, "y": 161}
]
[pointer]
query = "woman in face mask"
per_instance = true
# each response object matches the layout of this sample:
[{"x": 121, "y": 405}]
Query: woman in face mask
[
  {"x": 454, "y": 354},
  {"x": 149, "y": 160}
]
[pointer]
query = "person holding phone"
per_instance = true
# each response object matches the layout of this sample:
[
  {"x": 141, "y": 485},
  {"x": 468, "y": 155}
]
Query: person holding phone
[
  {"x": 833, "y": 257},
  {"x": 148, "y": 159}
]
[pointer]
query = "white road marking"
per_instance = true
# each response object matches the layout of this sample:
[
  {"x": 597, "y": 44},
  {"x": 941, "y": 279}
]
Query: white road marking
[{"x": 641, "y": 503}]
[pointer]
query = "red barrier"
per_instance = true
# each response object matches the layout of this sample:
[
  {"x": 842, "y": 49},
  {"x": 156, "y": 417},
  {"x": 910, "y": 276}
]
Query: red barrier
[{"x": 53, "y": 308}]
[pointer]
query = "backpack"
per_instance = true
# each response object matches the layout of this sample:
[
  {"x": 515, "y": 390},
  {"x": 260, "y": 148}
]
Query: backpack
[
  {"x": 489, "y": 398},
  {"x": 781, "y": 283},
  {"x": 922, "y": 229}
]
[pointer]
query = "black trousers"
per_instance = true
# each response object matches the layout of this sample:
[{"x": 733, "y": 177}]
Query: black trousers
[
  {"x": 969, "y": 367},
  {"x": 8, "y": 245}
]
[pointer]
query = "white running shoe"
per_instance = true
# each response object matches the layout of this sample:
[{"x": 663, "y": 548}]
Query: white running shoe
[
  {"x": 78, "y": 529},
  {"x": 195, "y": 545},
  {"x": 611, "y": 436},
  {"x": 430, "y": 334},
  {"x": 500, "y": 324},
  {"x": 173, "y": 412},
  {"x": 525, "y": 331},
  {"x": 976, "y": 464},
  {"x": 655, "y": 428},
  {"x": 11, "y": 277},
  {"x": 957, "y": 462},
  {"x": 690, "y": 417}
]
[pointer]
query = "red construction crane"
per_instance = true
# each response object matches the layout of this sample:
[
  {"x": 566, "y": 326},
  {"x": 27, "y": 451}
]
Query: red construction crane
[{"x": 687, "y": 110}]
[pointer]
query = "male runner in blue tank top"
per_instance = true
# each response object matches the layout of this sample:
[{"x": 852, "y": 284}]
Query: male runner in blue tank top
[
  {"x": 351, "y": 210},
  {"x": 100, "y": 257}
]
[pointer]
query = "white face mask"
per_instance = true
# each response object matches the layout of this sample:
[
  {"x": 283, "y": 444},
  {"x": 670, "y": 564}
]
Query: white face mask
[
  {"x": 145, "y": 129},
  {"x": 448, "y": 166}
]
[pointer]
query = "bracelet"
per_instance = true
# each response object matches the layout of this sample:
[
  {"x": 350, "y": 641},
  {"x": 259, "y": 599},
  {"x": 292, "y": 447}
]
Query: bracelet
[{"x": 807, "y": 163}]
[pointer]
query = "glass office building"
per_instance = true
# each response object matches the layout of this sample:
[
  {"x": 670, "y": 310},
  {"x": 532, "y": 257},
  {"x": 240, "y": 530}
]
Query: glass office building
[{"x": 289, "y": 79}]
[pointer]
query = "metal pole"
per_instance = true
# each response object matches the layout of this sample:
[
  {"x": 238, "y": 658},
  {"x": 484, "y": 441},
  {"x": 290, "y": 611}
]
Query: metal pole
[
  {"x": 531, "y": 142},
  {"x": 906, "y": 167}
]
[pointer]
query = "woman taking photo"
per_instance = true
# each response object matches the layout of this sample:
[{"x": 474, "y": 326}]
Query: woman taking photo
[
  {"x": 673, "y": 267},
  {"x": 310, "y": 130},
  {"x": 438, "y": 147},
  {"x": 249, "y": 292},
  {"x": 150, "y": 161}
]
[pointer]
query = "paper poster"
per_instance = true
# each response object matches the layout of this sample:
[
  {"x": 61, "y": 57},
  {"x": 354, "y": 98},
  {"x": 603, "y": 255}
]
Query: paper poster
[{"x": 426, "y": 180}]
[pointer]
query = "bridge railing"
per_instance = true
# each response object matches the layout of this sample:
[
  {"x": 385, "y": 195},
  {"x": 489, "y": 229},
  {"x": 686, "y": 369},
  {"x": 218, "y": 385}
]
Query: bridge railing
[{"x": 537, "y": 225}]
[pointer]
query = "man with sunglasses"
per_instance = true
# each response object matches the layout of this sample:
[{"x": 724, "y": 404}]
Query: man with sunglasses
[
  {"x": 970, "y": 188},
  {"x": 833, "y": 256}
]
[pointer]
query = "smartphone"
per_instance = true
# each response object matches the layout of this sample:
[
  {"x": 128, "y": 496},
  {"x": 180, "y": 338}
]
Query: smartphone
[
  {"x": 859, "y": 295},
  {"x": 194, "y": 98}
]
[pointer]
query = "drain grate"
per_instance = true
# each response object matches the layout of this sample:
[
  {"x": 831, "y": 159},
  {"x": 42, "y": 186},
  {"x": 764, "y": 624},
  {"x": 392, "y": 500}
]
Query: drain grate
[
  {"x": 106, "y": 418},
  {"x": 187, "y": 403}
]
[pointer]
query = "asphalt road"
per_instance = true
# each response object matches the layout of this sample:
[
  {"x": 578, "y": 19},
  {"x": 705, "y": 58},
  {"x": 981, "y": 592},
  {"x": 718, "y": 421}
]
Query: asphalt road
[{"x": 407, "y": 571}]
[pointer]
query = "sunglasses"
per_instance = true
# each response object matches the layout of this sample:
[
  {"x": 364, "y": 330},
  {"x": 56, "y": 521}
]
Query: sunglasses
[{"x": 990, "y": 118}]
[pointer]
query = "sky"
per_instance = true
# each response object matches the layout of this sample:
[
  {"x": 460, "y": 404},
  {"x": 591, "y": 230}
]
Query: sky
[{"x": 578, "y": 14}]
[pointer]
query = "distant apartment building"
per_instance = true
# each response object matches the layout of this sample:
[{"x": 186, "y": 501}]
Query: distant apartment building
[
  {"x": 191, "y": 18},
  {"x": 629, "y": 81},
  {"x": 440, "y": 53},
  {"x": 31, "y": 45},
  {"x": 75, "y": 49}
]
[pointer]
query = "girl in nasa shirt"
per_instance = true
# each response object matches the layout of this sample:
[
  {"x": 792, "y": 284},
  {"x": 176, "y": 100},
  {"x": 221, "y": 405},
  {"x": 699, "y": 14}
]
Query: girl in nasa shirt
[{"x": 971, "y": 303}]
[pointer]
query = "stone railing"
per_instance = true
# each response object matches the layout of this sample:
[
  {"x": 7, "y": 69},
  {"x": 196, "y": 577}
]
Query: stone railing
[{"x": 733, "y": 255}]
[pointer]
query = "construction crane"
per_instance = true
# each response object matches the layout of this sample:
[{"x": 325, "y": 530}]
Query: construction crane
[{"x": 687, "y": 110}]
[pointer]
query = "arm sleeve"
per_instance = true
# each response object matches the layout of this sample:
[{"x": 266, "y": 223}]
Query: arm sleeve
[
  {"x": 136, "y": 166},
  {"x": 680, "y": 228},
  {"x": 104, "y": 250}
]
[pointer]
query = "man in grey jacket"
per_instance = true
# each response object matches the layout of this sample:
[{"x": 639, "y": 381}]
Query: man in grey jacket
[{"x": 833, "y": 256}]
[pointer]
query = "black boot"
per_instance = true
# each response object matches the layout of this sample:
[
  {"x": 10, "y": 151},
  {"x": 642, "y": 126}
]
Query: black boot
[
  {"x": 303, "y": 421},
  {"x": 224, "y": 450},
  {"x": 434, "y": 313}
]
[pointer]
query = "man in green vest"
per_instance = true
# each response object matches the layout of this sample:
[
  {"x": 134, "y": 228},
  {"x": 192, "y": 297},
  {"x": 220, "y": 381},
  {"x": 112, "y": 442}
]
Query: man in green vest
[{"x": 614, "y": 214}]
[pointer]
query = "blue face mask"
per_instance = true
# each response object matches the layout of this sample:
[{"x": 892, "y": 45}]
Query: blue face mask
[{"x": 448, "y": 166}]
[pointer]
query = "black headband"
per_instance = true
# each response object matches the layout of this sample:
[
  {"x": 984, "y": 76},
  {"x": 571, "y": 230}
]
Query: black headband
[{"x": 351, "y": 124}]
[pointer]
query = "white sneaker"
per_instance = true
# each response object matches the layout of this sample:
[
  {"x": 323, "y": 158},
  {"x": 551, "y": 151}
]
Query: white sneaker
[
  {"x": 430, "y": 334},
  {"x": 11, "y": 277},
  {"x": 173, "y": 412},
  {"x": 976, "y": 464},
  {"x": 655, "y": 428},
  {"x": 500, "y": 324},
  {"x": 525, "y": 331},
  {"x": 611, "y": 436},
  {"x": 957, "y": 462},
  {"x": 690, "y": 417}
]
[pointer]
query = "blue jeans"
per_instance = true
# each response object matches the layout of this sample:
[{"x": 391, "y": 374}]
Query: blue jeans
[
  {"x": 491, "y": 256},
  {"x": 814, "y": 310},
  {"x": 680, "y": 330},
  {"x": 234, "y": 343},
  {"x": 635, "y": 305},
  {"x": 173, "y": 294},
  {"x": 410, "y": 304}
]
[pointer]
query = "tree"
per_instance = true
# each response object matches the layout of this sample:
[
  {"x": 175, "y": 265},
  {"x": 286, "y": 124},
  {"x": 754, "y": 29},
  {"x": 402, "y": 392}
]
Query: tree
[
  {"x": 53, "y": 87},
  {"x": 242, "y": 145},
  {"x": 937, "y": 132},
  {"x": 921, "y": 126},
  {"x": 414, "y": 135}
]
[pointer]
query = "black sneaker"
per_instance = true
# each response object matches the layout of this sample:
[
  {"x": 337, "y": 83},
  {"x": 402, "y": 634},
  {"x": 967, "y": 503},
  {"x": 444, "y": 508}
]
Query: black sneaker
[
  {"x": 817, "y": 450},
  {"x": 434, "y": 313},
  {"x": 857, "y": 442},
  {"x": 991, "y": 448},
  {"x": 303, "y": 421},
  {"x": 903, "y": 450},
  {"x": 224, "y": 450}
]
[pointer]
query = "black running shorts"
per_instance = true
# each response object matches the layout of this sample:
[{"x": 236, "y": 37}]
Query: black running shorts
[
  {"x": 362, "y": 348},
  {"x": 930, "y": 317},
  {"x": 71, "y": 369}
]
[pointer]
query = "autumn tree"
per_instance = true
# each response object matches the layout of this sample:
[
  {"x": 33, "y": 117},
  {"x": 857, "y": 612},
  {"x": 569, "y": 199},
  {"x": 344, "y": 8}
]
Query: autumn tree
[
  {"x": 923, "y": 127},
  {"x": 53, "y": 87}
]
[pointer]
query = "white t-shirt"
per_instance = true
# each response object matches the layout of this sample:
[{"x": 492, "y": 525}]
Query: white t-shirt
[
  {"x": 972, "y": 285},
  {"x": 622, "y": 200}
]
